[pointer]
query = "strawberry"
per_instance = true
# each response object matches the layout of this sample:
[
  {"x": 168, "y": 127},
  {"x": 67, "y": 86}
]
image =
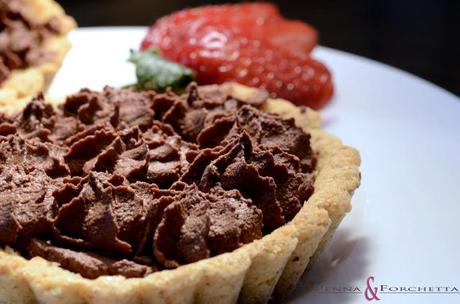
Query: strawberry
[{"x": 250, "y": 43}]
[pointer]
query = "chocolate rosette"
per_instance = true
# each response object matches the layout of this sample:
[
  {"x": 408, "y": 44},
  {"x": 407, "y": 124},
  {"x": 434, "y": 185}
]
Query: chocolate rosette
[{"x": 33, "y": 44}]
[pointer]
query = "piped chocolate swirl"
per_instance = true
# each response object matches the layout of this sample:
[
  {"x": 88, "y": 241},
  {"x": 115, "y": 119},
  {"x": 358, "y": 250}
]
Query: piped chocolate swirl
[
  {"x": 126, "y": 183},
  {"x": 22, "y": 39}
]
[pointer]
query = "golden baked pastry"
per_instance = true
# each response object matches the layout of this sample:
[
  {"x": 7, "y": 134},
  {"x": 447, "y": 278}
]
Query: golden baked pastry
[
  {"x": 45, "y": 48},
  {"x": 266, "y": 267}
]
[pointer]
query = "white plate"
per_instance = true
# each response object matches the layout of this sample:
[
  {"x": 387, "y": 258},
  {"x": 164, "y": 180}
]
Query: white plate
[{"x": 403, "y": 229}]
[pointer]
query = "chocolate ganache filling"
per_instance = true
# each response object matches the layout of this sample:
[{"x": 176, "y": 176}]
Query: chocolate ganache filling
[
  {"x": 126, "y": 183},
  {"x": 21, "y": 39}
]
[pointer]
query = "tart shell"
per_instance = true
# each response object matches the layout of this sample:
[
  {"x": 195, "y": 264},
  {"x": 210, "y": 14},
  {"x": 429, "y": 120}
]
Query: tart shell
[
  {"x": 254, "y": 273},
  {"x": 21, "y": 85}
]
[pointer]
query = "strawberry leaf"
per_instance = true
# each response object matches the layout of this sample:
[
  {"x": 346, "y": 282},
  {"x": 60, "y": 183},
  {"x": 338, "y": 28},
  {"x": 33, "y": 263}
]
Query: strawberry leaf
[{"x": 154, "y": 72}]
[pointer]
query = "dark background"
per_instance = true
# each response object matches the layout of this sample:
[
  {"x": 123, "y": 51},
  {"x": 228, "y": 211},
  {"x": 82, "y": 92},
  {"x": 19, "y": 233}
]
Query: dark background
[{"x": 419, "y": 36}]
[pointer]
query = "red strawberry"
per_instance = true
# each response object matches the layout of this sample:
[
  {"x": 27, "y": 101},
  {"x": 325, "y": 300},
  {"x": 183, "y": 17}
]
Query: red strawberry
[{"x": 249, "y": 43}]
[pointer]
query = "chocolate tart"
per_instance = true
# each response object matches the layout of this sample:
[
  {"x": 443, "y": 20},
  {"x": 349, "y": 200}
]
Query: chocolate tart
[
  {"x": 32, "y": 48},
  {"x": 263, "y": 268}
]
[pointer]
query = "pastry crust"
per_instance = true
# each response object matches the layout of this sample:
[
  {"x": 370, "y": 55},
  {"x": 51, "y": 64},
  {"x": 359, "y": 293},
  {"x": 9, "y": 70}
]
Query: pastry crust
[
  {"x": 251, "y": 274},
  {"x": 21, "y": 85}
]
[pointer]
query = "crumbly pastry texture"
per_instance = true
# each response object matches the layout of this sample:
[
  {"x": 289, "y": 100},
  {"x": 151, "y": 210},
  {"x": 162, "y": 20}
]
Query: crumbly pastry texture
[
  {"x": 23, "y": 84},
  {"x": 270, "y": 266}
]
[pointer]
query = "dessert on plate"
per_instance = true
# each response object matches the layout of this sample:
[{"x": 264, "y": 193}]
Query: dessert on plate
[
  {"x": 171, "y": 192},
  {"x": 33, "y": 44},
  {"x": 213, "y": 195}
]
